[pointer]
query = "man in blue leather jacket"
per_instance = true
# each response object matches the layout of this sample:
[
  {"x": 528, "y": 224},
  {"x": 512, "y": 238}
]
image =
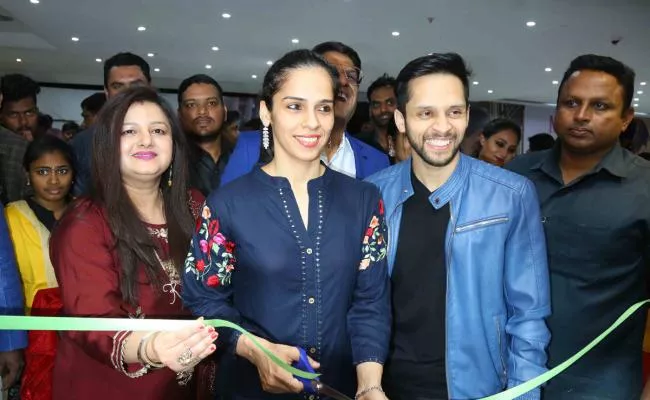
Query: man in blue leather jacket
[
  {"x": 11, "y": 302},
  {"x": 466, "y": 254}
]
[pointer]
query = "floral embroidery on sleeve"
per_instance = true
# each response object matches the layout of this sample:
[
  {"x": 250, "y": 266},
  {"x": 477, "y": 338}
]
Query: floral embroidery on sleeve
[
  {"x": 374, "y": 243},
  {"x": 211, "y": 257}
]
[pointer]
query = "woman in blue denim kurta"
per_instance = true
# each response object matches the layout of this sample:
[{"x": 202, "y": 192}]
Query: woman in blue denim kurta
[{"x": 295, "y": 252}]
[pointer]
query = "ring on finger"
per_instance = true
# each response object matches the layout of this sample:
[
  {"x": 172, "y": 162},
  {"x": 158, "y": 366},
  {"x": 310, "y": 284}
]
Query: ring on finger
[{"x": 186, "y": 357}]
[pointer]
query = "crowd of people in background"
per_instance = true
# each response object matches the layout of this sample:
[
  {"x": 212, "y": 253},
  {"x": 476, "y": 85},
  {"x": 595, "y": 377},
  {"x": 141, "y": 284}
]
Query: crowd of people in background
[{"x": 424, "y": 257}]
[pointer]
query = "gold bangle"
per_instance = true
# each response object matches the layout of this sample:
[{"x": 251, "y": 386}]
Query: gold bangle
[{"x": 143, "y": 357}]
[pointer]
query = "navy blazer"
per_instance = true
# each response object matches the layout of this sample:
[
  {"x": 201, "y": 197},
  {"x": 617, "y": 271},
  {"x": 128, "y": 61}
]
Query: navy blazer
[
  {"x": 11, "y": 290},
  {"x": 367, "y": 159}
]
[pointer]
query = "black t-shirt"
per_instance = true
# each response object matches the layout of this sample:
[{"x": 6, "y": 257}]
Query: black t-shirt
[{"x": 416, "y": 364}]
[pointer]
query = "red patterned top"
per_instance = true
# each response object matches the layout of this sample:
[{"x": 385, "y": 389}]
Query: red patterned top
[{"x": 88, "y": 271}]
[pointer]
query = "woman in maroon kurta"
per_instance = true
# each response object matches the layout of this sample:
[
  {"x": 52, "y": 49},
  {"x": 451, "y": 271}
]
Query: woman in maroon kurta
[{"x": 116, "y": 254}]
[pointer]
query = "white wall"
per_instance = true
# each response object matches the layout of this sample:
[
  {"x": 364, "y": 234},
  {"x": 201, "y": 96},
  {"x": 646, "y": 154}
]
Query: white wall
[
  {"x": 65, "y": 104},
  {"x": 537, "y": 119}
]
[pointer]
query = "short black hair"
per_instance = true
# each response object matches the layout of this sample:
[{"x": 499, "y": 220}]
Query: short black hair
[
  {"x": 46, "y": 144},
  {"x": 592, "y": 62},
  {"x": 198, "y": 78},
  {"x": 338, "y": 47},
  {"x": 232, "y": 117},
  {"x": 541, "y": 141},
  {"x": 382, "y": 81},
  {"x": 16, "y": 87},
  {"x": 126, "y": 60},
  {"x": 70, "y": 126},
  {"x": 499, "y": 125},
  {"x": 94, "y": 102},
  {"x": 437, "y": 63}
]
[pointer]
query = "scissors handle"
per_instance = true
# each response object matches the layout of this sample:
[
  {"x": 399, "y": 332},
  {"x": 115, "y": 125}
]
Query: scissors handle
[{"x": 304, "y": 365}]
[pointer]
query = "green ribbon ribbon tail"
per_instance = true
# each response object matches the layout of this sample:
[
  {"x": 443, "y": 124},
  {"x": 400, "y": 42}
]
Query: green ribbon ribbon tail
[
  {"x": 527, "y": 386},
  {"x": 24, "y": 323}
]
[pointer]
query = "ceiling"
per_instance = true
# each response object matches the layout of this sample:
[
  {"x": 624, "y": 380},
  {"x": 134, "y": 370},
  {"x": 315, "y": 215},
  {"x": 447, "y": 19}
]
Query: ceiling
[{"x": 507, "y": 56}]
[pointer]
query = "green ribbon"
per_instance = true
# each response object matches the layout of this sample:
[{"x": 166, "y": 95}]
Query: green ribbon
[
  {"x": 23, "y": 323},
  {"x": 124, "y": 324},
  {"x": 527, "y": 386}
]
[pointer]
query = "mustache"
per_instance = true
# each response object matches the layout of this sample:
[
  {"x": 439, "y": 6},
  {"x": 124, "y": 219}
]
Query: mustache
[{"x": 200, "y": 119}]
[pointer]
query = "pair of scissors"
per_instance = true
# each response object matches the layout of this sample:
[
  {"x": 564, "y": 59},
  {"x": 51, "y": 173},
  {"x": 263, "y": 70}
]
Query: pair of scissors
[{"x": 315, "y": 386}]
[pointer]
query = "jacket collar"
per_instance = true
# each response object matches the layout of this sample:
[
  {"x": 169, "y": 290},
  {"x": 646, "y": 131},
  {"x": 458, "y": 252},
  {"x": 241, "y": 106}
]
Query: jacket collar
[{"x": 441, "y": 196}]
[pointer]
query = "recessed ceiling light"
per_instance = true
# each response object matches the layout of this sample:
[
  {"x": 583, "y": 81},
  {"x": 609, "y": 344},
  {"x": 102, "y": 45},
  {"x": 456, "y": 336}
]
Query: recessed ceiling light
[
  {"x": 556, "y": 82},
  {"x": 641, "y": 113},
  {"x": 98, "y": 60},
  {"x": 640, "y": 92},
  {"x": 530, "y": 24},
  {"x": 269, "y": 63},
  {"x": 19, "y": 60},
  {"x": 254, "y": 76},
  {"x": 226, "y": 15},
  {"x": 142, "y": 28},
  {"x": 395, "y": 33},
  {"x": 208, "y": 66},
  {"x": 150, "y": 54},
  {"x": 295, "y": 41},
  {"x": 75, "y": 39},
  {"x": 643, "y": 83},
  {"x": 475, "y": 83},
  {"x": 215, "y": 48},
  {"x": 551, "y": 104},
  {"x": 34, "y": 1},
  {"x": 548, "y": 69},
  {"x": 636, "y": 104},
  {"x": 156, "y": 70},
  {"x": 635, "y": 99},
  {"x": 490, "y": 91}
]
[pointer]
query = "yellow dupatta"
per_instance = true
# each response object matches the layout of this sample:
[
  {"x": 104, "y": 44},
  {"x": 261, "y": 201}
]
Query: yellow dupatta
[{"x": 31, "y": 243}]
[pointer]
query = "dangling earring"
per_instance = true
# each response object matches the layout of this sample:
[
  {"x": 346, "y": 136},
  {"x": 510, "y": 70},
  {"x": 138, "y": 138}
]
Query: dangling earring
[
  {"x": 265, "y": 137},
  {"x": 169, "y": 181}
]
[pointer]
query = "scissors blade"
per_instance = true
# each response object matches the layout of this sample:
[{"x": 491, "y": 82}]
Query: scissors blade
[{"x": 325, "y": 390}]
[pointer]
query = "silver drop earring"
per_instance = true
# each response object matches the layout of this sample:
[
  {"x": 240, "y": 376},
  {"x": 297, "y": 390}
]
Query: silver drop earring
[{"x": 265, "y": 138}]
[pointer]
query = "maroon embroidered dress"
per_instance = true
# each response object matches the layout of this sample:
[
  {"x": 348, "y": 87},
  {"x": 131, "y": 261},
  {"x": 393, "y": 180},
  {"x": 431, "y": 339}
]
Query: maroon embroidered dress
[{"x": 88, "y": 271}]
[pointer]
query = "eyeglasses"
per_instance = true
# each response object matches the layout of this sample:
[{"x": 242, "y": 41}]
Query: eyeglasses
[{"x": 353, "y": 75}]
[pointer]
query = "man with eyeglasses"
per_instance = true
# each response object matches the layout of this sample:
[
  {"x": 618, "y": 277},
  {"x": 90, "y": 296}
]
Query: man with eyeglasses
[
  {"x": 122, "y": 71},
  {"x": 343, "y": 153}
]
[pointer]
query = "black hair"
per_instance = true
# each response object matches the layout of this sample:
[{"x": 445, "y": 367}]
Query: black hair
[
  {"x": 16, "y": 87},
  {"x": 126, "y": 60},
  {"x": 437, "y": 63},
  {"x": 478, "y": 118},
  {"x": 541, "y": 141},
  {"x": 196, "y": 79},
  {"x": 45, "y": 121},
  {"x": 132, "y": 240},
  {"x": 624, "y": 75},
  {"x": 277, "y": 75},
  {"x": 70, "y": 126},
  {"x": 46, "y": 144},
  {"x": 499, "y": 125},
  {"x": 232, "y": 117},
  {"x": 94, "y": 102},
  {"x": 254, "y": 124},
  {"x": 338, "y": 47},
  {"x": 383, "y": 81}
]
